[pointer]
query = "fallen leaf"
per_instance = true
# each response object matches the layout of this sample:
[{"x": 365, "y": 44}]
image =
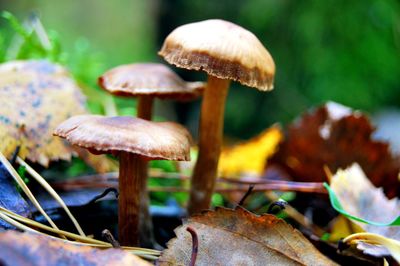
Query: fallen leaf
[
  {"x": 249, "y": 157},
  {"x": 35, "y": 97},
  {"x": 353, "y": 195},
  {"x": 239, "y": 237},
  {"x": 336, "y": 136},
  {"x": 342, "y": 227},
  {"x": 10, "y": 198},
  {"x": 377, "y": 241},
  {"x": 32, "y": 249}
]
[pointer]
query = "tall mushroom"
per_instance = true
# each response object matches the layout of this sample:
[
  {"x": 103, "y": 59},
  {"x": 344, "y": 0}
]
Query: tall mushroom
[
  {"x": 148, "y": 81},
  {"x": 225, "y": 51},
  {"x": 134, "y": 140}
]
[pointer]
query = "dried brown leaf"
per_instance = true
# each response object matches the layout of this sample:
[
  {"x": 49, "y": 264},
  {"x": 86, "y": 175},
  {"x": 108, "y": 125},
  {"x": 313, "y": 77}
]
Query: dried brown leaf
[
  {"x": 31, "y": 249},
  {"x": 336, "y": 136},
  {"x": 239, "y": 237}
]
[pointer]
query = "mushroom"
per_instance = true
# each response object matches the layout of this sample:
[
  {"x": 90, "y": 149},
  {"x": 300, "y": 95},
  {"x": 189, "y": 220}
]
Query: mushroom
[
  {"x": 134, "y": 140},
  {"x": 147, "y": 81},
  {"x": 225, "y": 51}
]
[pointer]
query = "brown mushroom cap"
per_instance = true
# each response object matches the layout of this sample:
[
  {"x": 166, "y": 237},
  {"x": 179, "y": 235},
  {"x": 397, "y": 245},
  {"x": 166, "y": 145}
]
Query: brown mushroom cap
[
  {"x": 149, "y": 79},
  {"x": 153, "y": 140},
  {"x": 221, "y": 49}
]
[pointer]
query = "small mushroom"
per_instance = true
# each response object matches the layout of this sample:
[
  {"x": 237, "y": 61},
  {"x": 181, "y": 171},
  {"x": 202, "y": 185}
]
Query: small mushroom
[
  {"x": 134, "y": 141},
  {"x": 148, "y": 81},
  {"x": 225, "y": 51}
]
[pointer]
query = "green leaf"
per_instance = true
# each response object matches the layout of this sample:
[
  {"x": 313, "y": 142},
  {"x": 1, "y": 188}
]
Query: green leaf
[
  {"x": 22, "y": 172},
  {"x": 217, "y": 200},
  {"x": 338, "y": 207},
  {"x": 15, "y": 24},
  {"x": 167, "y": 166}
]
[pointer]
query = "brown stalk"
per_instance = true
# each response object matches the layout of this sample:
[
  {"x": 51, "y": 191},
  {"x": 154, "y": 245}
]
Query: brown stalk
[
  {"x": 130, "y": 192},
  {"x": 210, "y": 142},
  {"x": 145, "y": 111},
  {"x": 145, "y": 107}
]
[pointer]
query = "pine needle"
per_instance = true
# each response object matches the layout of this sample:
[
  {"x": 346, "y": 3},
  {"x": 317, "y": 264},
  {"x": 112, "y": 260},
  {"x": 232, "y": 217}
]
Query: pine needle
[
  {"x": 51, "y": 191},
  {"x": 25, "y": 189},
  {"x": 20, "y": 221}
]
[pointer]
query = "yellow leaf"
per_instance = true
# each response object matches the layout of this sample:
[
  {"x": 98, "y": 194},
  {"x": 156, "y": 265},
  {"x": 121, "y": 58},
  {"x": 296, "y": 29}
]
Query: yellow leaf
[
  {"x": 250, "y": 157},
  {"x": 377, "y": 240},
  {"x": 342, "y": 227},
  {"x": 36, "y": 96}
]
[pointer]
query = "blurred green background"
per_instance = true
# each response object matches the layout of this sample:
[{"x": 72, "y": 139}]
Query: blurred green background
[{"x": 345, "y": 51}]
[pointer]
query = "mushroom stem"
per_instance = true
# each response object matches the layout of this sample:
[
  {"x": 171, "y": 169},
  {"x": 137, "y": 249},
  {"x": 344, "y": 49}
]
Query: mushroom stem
[
  {"x": 130, "y": 189},
  {"x": 147, "y": 239},
  {"x": 210, "y": 141},
  {"x": 144, "y": 107}
]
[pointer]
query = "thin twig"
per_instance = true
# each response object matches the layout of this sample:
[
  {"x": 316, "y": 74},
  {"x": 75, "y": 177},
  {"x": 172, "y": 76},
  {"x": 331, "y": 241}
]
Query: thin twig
[
  {"x": 106, "y": 234},
  {"x": 105, "y": 193},
  {"x": 195, "y": 245},
  {"x": 155, "y": 173},
  {"x": 80, "y": 184},
  {"x": 249, "y": 190},
  {"x": 15, "y": 155}
]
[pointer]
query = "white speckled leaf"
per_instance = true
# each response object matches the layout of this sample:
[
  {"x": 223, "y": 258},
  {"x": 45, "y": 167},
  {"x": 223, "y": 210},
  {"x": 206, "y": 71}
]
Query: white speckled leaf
[{"x": 35, "y": 96}]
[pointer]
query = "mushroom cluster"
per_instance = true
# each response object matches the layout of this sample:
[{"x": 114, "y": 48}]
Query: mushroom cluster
[
  {"x": 148, "y": 81},
  {"x": 225, "y": 52}
]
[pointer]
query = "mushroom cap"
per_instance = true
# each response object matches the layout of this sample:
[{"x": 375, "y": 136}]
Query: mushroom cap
[
  {"x": 153, "y": 140},
  {"x": 36, "y": 96},
  {"x": 222, "y": 49},
  {"x": 151, "y": 79}
]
